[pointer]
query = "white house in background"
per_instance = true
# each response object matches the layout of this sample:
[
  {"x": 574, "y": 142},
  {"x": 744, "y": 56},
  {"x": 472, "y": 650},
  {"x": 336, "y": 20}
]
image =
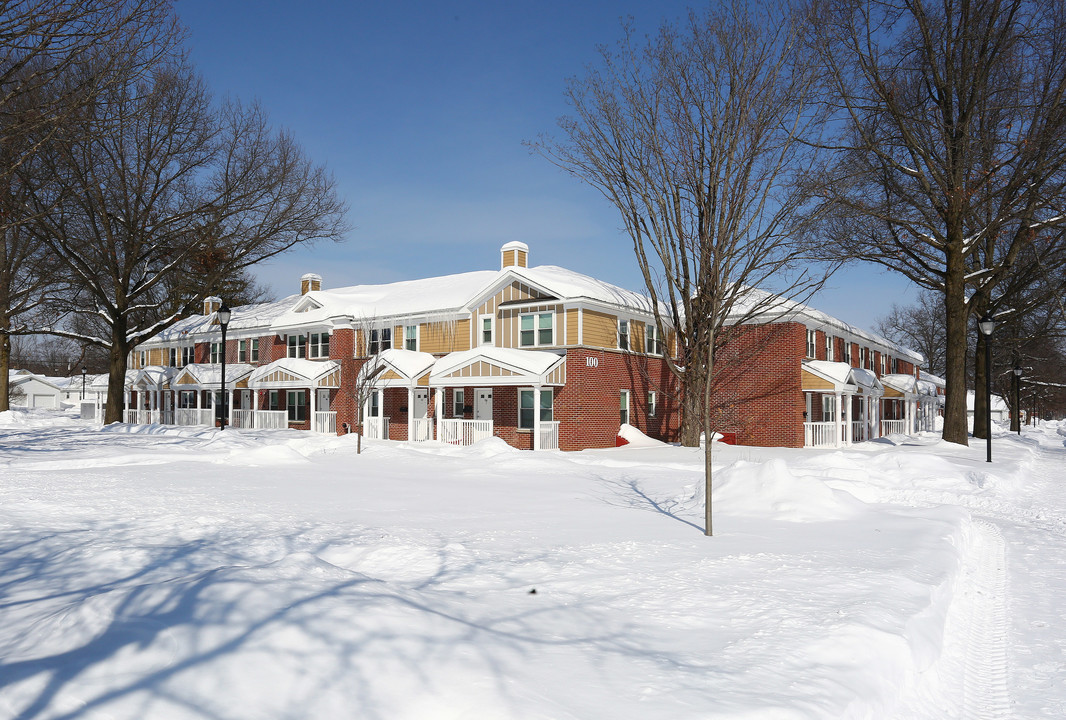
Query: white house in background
[
  {"x": 33, "y": 391},
  {"x": 1000, "y": 411}
]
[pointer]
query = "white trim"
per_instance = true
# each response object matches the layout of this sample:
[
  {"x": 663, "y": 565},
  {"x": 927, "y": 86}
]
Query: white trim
[
  {"x": 536, "y": 315},
  {"x": 479, "y": 330}
]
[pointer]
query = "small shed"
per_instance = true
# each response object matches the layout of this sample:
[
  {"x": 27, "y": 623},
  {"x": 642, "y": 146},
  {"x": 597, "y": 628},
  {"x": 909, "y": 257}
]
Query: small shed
[{"x": 33, "y": 391}]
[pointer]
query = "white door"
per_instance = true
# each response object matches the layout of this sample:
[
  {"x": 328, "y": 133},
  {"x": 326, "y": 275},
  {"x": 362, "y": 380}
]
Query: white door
[
  {"x": 246, "y": 399},
  {"x": 483, "y": 404},
  {"x": 421, "y": 408},
  {"x": 322, "y": 401}
]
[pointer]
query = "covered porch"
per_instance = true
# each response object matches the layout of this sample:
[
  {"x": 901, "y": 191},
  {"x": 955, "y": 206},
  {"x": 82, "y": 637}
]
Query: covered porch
[
  {"x": 395, "y": 396},
  {"x": 900, "y": 405},
  {"x": 198, "y": 396},
  {"x": 297, "y": 393},
  {"x": 841, "y": 404},
  {"x": 153, "y": 404},
  {"x": 501, "y": 392}
]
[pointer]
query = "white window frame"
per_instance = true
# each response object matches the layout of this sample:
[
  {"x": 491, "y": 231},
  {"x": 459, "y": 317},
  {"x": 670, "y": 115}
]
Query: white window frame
[
  {"x": 829, "y": 343},
  {"x": 536, "y": 407},
  {"x": 847, "y": 351},
  {"x": 492, "y": 329},
  {"x": 242, "y": 351},
  {"x": 828, "y": 408},
  {"x": 812, "y": 344},
  {"x": 188, "y": 355},
  {"x": 407, "y": 339},
  {"x": 290, "y": 406},
  {"x": 653, "y": 403},
  {"x": 254, "y": 350},
  {"x": 864, "y": 357},
  {"x": 172, "y": 355},
  {"x": 143, "y": 358},
  {"x": 216, "y": 353},
  {"x": 652, "y": 341},
  {"x": 623, "y": 334},
  {"x": 883, "y": 363},
  {"x": 320, "y": 349},
  {"x": 294, "y": 344},
  {"x": 624, "y": 413},
  {"x": 458, "y": 402},
  {"x": 376, "y": 347},
  {"x": 537, "y": 329}
]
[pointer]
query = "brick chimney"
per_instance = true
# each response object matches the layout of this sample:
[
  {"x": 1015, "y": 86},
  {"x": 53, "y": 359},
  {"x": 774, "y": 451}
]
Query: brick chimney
[
  {"x": 310, "y": 282},
  {"x": 514, "y": 254},
  {"x": 212, "y": 304}
]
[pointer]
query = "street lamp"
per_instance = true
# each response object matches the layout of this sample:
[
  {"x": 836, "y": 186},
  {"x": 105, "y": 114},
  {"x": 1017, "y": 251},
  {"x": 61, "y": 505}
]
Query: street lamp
[
  {"x": 83, "y": 371},
  {"x": 223, "y": 321},
  {"x": 1017, "y": 382},
  {"x": 987, "y": 325}
]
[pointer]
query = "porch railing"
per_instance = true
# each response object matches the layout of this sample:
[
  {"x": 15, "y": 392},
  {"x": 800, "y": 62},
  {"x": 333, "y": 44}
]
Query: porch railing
[
  {"x": 858, "y": 431},
  {"x": 892, "y": 427},
  {"x": 464, "y": 432},
  {"x": 271, "y": 419},
  {"x": 194, "y": 416},
  {"x": 243, "y": 419},
  {"x": 819, "y": 434},
  {"x": 549, "y": 435},
  {"x": 325, "y": 422},
  {"x": 143, "y": 417},
  {"x": 422, "y": 430},
  {"x": 376, "y": 428}
]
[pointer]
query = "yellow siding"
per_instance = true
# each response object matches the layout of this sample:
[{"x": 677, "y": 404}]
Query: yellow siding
[
  {"x": 439, "y": 338},
  {"x": 813, "y": 382},
  {"x": 636, "y": 335},
  {"x": 600, "y": 329},
  {"x": 572, "y": 336},
  {"x": 892, "y": 392}
]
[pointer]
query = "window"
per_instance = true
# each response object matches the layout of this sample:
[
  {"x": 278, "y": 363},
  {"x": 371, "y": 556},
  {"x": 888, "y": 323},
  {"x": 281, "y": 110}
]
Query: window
[
  {"x": 410, "y": 337},
  {"x": 623, "y": 415},
  {"x": 144, "y": 358},
  {"x": 374, "y": 402},
  {"x": 255, "y": 350},
  {"x": 296, "y": 404},
  {"x": 652, "y": 344},
  {"x": 186, "y": 398},
  {"x": 297, "y": 346},
  {"x": 188, "y": 356},
  {"x": 526, "y": 407},
  {"x": 536, "y": 329},
  {"x": 829, "y": 347},
  {"x": 847, "y": 352},
  {"x": 882, "y": 364},
  {"x": 828, "y": 407},
  {"x": 272, "y": 399},
  {"x": 173, "y": 353},
  {"x": 810, "y": 343},
  {"x": 652, "y": 403},
  {"x": 623, "y": 334},
  {"x": 486, "y": 330},
  {"x": 319, "y": 346},
  {"x": 862, "y": 357},
  {"x": 458, "y": 402},
  {"x": 242, "y": 351},
  {"x": 380, "y": 340},
  {"x": 216, "y": 352}
]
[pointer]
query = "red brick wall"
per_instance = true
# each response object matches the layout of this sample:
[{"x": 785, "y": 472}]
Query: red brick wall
[{"x": 758, "y": 393}]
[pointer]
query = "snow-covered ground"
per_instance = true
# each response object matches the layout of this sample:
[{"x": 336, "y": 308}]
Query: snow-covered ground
[{"x": 150, "y": 572}]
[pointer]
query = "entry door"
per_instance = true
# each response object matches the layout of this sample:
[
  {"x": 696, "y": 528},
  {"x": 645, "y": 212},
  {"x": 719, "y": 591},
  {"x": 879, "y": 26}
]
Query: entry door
[
  {"x": 322, "y": 401},
  {"x": 421, "y": 408},
  {"x": 246, "y": 399},
  {"x": 483, "y": 404}
]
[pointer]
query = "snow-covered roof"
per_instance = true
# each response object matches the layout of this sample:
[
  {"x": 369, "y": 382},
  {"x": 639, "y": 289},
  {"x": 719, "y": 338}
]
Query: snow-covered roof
[
  {"x": 998, "y": 404},
  {"x": 210, "y": 374},
  {"x": 242, "y": 317},
  {"x": 409, "y": 364},
  {"x": 843, "y": 375},
  {"x": 306, "y": 370},
  {"x": 20, "y": 377},
  {"x": 903, "y": 383},
  {"x": 154, "y": 375},
  {"x": 522, "y": 366},
  {"x": 568, "y": 284}
]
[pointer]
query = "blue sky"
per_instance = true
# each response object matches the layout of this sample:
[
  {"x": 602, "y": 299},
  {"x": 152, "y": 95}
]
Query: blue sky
[{"x": 420, "y": 109}]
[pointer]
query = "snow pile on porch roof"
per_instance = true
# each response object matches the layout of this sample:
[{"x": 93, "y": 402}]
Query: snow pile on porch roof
[
  {"x": 838, "y": 372},
  {"x": 243, "y": 317},
  {"x": 309, "y": 369},
  {"x": 155, "y": 374},
  {"x": 903, "y": 383},
  {"x": 569, "y": 284},
  {"x": 409, "y": 363},
  {"x": 210, "y": 374},
  {"x": 528, "y": 362}
]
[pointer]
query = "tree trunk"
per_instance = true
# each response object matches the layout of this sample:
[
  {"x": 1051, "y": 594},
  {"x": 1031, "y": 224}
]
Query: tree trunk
[
  {"x": 956, "y": 316},
  {"x": 5, "y": 364},
  {"x": 707, "y": 433},
  {"x": 692, "y": 404},
  {"x": 980, "y": 401},
  {"x": 116, "y": 369}
]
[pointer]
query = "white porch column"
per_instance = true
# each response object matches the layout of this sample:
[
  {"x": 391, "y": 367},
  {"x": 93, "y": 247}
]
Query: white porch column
[
  {"x": 311, "y": 400},
  {"x": 910, "y": 417},
  {"x": 847, "y": 422},
  {"x": 536, "y": 417},
  {"x": 228, "y": 397},
  {"x": 410, "y": 413},
  {"x": 214, "y": 409},
  {"x": 839, "y": 417},
  {"x": 438, "y": 409}
]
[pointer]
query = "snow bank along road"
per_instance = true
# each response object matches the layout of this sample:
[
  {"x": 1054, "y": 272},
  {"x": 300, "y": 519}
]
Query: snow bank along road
[{"x": 151, "y": 572}]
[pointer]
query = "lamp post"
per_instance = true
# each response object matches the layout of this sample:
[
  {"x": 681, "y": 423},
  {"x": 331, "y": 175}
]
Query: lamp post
[
  {"x": 1017, "y": 382},
  {"x": 83, "y": 371},
  {"x": 987, "y": 325},
  {"x": 223, "y": 321}
]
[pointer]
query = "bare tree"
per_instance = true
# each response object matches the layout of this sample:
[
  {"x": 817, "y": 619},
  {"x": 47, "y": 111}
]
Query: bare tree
[
  {"x": 920, "y": 327},
  {"x": 953, "y": 120},
  {"x": 179, "y": 195},
  {"x": 697, "y": 137}
]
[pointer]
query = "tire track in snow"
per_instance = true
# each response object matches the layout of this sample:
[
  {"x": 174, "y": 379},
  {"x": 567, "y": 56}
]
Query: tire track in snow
[{"x": 986, "y": 667}]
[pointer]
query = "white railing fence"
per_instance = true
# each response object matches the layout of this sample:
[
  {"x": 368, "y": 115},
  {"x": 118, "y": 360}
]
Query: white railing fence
[
  {"x": 325, "y": 422},
  {"x": 464, "y": 432},
  {"x": 858, "y": 430},
  {"x": 271, "y": 419},
  {"x": 422, "y": 430},
  {"x": 376, "y": 428},
  {"x": 892, "y": 427},
  {"x": 819, "y": 434},
  {"x": 549, "y": 435},
  {"x": 243, "y": 419}
]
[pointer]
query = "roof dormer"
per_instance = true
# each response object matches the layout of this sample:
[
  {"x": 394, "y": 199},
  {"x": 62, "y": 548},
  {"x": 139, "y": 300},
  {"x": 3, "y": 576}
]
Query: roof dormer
[{"x": 514, "y": 254}]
